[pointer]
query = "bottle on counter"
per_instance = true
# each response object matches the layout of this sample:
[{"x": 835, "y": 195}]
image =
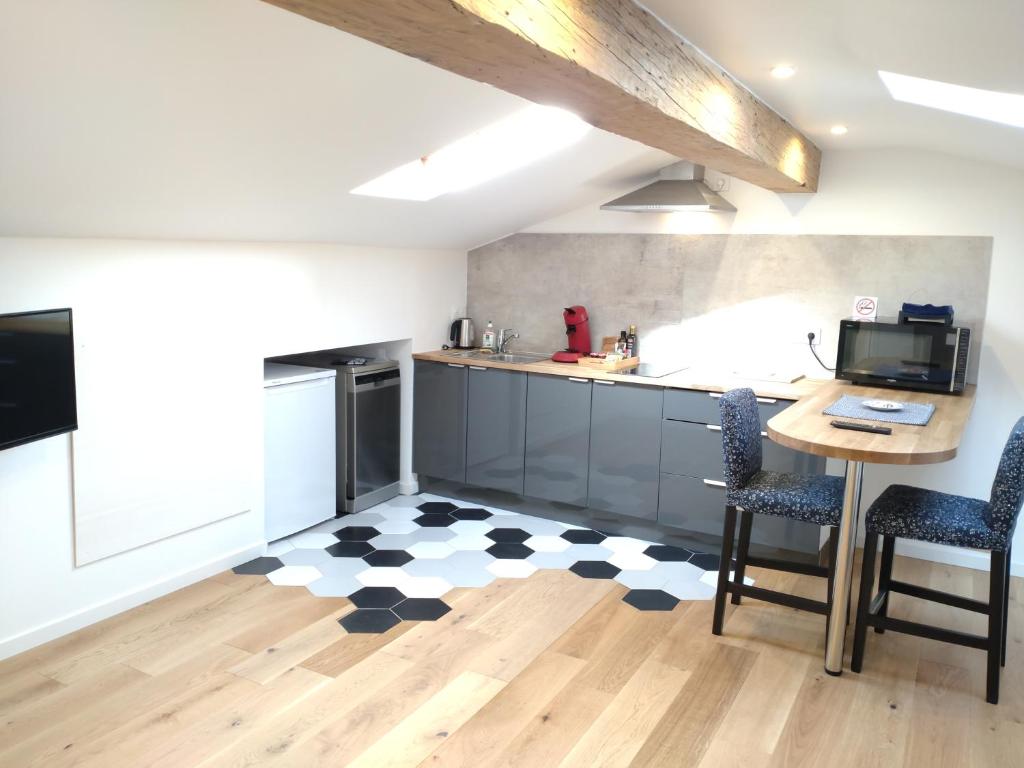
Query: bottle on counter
[
  {"x": 620, "y": 345},
  {"x": 631, "y": 346},
  {"x": 488, "y": 341}
]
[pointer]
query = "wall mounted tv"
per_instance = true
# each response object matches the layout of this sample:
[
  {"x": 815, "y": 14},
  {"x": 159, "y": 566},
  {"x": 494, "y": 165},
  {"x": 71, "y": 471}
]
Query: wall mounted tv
[{"x": 37, "y": 376}]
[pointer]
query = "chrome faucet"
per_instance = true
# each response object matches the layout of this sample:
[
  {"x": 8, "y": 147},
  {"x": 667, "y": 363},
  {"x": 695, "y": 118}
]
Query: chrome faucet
[{"x": 505, "y": 336}]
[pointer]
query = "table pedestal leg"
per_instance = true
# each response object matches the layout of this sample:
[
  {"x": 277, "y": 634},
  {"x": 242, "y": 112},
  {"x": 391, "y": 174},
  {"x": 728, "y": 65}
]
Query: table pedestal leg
[{"x": 844, "y": 569}]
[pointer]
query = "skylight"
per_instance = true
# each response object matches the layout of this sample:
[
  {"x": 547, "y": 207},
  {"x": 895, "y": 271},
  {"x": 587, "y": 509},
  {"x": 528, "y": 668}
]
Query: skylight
[
  {"x": 513, "y": 142},
  {"x": 1006, "y": 108}
]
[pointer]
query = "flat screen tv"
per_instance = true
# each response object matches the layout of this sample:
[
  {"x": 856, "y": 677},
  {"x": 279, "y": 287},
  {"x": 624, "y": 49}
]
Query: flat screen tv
[{"x": 37, "y": 376}]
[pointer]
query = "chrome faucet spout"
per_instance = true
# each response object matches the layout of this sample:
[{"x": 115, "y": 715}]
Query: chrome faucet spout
[{"x": 505, "y": 337}]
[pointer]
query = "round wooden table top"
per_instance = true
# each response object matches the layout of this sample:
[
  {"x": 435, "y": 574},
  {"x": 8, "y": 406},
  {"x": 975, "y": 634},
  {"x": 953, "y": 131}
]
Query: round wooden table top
[{"x": 804, "y": 427}]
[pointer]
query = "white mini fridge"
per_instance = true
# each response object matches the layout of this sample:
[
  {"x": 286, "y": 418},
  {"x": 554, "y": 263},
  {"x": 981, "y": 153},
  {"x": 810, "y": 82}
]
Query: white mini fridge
[{"x": 299, "y": 445}]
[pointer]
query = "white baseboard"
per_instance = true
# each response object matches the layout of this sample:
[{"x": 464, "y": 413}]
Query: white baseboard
[
  {"x": 937, "y": 553},
  {"x": 44, "y": 633}
]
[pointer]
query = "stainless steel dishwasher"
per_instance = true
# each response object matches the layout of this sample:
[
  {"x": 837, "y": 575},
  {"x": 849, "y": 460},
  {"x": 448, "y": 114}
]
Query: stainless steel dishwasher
[{"x": 372, "y": 417}]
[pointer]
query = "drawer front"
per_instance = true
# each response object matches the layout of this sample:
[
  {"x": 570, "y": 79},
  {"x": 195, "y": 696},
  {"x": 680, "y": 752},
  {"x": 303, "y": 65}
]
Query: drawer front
[
  {"x": 557, "y": 438},
  {"x": 691, "y": 449},
  {"x": 702, "y": 407},
  {"x": 692, "y": 504}
]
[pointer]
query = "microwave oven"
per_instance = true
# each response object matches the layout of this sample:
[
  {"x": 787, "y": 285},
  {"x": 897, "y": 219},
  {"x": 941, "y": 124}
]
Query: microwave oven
[{"x": 920, "y": 356}]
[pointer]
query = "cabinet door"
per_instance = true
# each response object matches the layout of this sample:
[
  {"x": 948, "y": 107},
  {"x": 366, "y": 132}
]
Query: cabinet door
[
  {"x": 557, "y": 438},
  {"x": 439, "y": 420},
  {"x": 625, "y": 449},
  {"x": 496, "y": 428}
]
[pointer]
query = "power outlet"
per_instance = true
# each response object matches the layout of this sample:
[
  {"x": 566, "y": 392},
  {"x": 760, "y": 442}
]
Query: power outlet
[{"x": 816, "y": 342}]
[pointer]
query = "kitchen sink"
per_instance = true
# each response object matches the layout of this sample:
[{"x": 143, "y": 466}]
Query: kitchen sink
[{"x": 509, "y": 357}]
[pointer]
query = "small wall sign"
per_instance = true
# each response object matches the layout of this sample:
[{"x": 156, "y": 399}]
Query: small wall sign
[{"x": 865, "y": 307}]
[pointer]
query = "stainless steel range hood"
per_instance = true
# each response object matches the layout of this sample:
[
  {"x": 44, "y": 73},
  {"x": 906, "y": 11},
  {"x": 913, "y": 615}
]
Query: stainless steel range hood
[{"x": 680, "y": 187}]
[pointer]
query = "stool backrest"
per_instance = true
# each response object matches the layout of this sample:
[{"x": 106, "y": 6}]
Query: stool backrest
[
  {"x": 1008, "y": 487},
  {"x": 741, "y": 437}
]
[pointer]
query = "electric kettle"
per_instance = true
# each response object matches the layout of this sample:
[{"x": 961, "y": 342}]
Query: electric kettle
[{"x": 461, "y": 334}]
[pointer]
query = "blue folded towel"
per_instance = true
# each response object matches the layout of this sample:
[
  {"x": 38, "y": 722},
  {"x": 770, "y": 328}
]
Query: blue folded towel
[{"x": 927, "y": 310}]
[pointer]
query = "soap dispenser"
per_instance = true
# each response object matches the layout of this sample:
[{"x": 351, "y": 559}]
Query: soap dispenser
[{"x": 488, "y": 339}]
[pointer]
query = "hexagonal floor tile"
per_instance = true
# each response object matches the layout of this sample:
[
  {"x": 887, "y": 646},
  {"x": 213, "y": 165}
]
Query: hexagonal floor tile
[
  {"x": 547, "y": 543},
  {"x": 512, "y": 569},
  {"x": 625, "y": 544},
  {"x": 652, "y": 579},
  {"x": 471, "y": 513},
  {"x": 395, "y": 558},
  {"x": 398, "y": 513},
  {"x": 334, "y": 586},
  {"x": 276, "y": 548},
  {"x": 402, "y": 501},
  {"x": 594, "y": 569},
  {"x": 376, "y": 597},
  {"x": 425, "y": 586},
  {"x": 305, "y": 556},
  {"x": 356, "y": 533},
  {"x": 469, "y": 542},
  {"x": 421, "y": 609},
  {"x": 711, "y": 578},
  {"x": 434, "y": 534},
  {"x": 583, "y": 536},
  {"x": 312, "y": 540},
  {"x": 383, "y": 577},
  {"x": 261, "y": 566},
  {"x": 430, "y": 550},
  {"x": 343, "y": 566},
  {"x": 514, "y": 535},
  {"x": 367, "y": 518},
  {"x": 427, "y": 567},
  {"x": 468, "y": 569},
  {"x": 589, "y": 552},
  {"x": 394, "y": 540},
  {"x": 666, "y": 553},
  {"x": 707, "y": 562},
  {"x": 689, "y": 589},
  {"x": 558, "y": 561},
  {"x": 349, "y": 549},
  {"x": 632, "y": 561},
  {"x": 507, "y": 550},
  {"x": 434, "y": 520},
  {"x": 436, "y": 507},
  {"x": 536, "y": 526},
  {"x": 650, "y": 600},
  {"x": 397, "y": 525},
  {"x": 369, "y": 621},
  {"x": 471, "y": 527},
  {"x": 294, "y": 575}
]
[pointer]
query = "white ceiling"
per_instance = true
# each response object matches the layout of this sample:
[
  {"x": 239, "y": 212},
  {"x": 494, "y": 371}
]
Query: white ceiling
[
  {"x": 236, "y": 120},
  {"x": 839, "y": 45}
]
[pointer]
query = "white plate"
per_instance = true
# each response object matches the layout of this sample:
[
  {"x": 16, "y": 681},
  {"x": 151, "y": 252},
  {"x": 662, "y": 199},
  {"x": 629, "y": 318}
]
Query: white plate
[{"x": 883, "y": 405}]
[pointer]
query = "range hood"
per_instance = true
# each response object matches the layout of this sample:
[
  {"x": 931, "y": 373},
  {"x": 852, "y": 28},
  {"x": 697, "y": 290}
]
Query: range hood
[{"x": 680, "y": 187}]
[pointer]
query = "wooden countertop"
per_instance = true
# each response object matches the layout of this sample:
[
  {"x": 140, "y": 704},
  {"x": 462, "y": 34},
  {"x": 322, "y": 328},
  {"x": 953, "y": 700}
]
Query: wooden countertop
[
  {"x": 702, "y": 379},
  {"x": 805, "y": 428}
]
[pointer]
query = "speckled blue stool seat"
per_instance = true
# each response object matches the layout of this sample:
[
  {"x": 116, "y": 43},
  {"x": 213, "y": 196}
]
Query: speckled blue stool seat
[
  {"x": 813, "y": 499},
  {"x": 903, "y": 511}
]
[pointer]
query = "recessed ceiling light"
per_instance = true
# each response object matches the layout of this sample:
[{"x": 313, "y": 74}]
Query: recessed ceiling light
[
  {"x": 838, "y": 130},
  {"x": 999, "y": 107},
  {"x": 511, "y": 143},
  {"x": 783, "y": 71}
]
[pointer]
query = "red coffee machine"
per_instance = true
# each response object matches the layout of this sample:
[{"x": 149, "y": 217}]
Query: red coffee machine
[{"x": 577, "y": 330}]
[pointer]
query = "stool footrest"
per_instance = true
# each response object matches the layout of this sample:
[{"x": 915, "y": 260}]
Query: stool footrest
[
  {"x": 872, "y": 619},
  {"x": 936, "y": 596},
  {"x": 779, "y": 598}
]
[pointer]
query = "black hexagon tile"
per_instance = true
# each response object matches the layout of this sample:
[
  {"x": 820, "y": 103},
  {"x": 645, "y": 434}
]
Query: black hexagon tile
[
  {"x": 668, "y": 554},
  {"x": 472, "y": 513},
  {"x": 369, "y": 621},
  {"x": 434, "y": 520},
  {"x": 421, "y": 609},
  {"x": 437, "y": 507},
  {"x": 705, "y": 562},
  {"x": 584, "y": 536},
  {"x": 650, "y": 600},
  {"x": 261, "y": 566},
  {"x": 376, "y": 597},
  {"x": 394, "y": 558},
  {"x": 509, "y": 550},
  {"x": 514, "y": 535},
  {"x": 356, "y": 533},
  {"x": 350, "y": 549},
  {"x": 594, "y": 569}
]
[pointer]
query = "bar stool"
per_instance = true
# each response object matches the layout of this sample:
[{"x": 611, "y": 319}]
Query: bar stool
[
  {"x": 814, "y": 499},
  {"x": 903, "y": 511}
]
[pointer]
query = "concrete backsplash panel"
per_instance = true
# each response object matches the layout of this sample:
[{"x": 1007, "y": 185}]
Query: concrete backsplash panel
[{"x": 745, "y": 302}]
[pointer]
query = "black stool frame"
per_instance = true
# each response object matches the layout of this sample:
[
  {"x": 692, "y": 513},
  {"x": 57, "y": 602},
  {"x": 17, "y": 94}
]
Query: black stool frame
[{"x": 873, "y": 611}]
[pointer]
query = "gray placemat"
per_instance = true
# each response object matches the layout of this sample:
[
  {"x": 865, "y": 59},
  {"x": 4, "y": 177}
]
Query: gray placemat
[{"x": 850, "y": 407}]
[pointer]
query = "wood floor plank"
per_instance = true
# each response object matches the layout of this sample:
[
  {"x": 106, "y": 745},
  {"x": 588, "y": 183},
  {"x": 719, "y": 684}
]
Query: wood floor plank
[
  {"x": 21, "y": 687},
  {"x": 349, "y": 650},
  {"x": 288, "y": 618}
]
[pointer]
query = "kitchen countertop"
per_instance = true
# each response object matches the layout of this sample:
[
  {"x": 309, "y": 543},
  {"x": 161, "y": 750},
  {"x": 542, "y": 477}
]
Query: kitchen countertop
[{"x": 705, "y": 379}]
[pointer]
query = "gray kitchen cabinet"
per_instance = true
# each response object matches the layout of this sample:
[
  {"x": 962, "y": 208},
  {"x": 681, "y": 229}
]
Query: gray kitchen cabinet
[
  {"x": 439, "y": 420},
  {"x": 557, "y": 438},
  {"x": 625, "y": 448},
  {"x": 496, "y": 428}
]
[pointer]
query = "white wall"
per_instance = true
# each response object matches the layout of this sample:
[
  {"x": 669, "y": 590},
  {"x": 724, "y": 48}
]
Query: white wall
[
  {"x": 899, "y": 192},
  {"x": 179, "y": 311}
]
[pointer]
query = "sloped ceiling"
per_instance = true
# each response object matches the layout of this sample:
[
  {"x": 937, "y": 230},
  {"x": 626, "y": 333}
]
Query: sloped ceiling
[{"x": 234, "y": 120}]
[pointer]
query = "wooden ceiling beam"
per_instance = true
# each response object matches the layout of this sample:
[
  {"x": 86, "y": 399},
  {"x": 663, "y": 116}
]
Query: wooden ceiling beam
[{"x": 609, "y": 61}]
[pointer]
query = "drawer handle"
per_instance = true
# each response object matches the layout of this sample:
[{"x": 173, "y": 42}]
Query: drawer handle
[
  {"x": 477, "y": 368},
  {"x": 578, "y": 381},
  {"x": 764, "y": 434},
  {"x": 456, "y": 365},
  {"x": 767, "y": 400},
  {"x": 605, "y": 383},
  {"x": 713, "y": 428},
  {"x": 715, "y": 395},
  {"x": 714, "y": 483}
]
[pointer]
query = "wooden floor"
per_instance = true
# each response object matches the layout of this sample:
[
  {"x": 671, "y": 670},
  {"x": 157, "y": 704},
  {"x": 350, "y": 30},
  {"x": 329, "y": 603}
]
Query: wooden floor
[{"x": 553, "y": 670}]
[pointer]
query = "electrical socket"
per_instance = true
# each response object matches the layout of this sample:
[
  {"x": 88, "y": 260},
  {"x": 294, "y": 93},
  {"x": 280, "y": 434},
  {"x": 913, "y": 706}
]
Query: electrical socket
[{"x": 817, "y": 337}]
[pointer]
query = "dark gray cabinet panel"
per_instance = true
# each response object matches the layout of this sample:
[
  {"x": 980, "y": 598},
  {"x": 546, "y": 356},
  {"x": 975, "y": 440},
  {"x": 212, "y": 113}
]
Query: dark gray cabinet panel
[
  {"x": 557, "y": 438},
  {"x": 702, "y": 407},
  {"x": 691, "y": 503},
  {"x": 439, "y": 420},
  {"x": 691, "y": 449},
  {"x": 496, "y": 428},
  {"x": 625, "y": 449}
]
